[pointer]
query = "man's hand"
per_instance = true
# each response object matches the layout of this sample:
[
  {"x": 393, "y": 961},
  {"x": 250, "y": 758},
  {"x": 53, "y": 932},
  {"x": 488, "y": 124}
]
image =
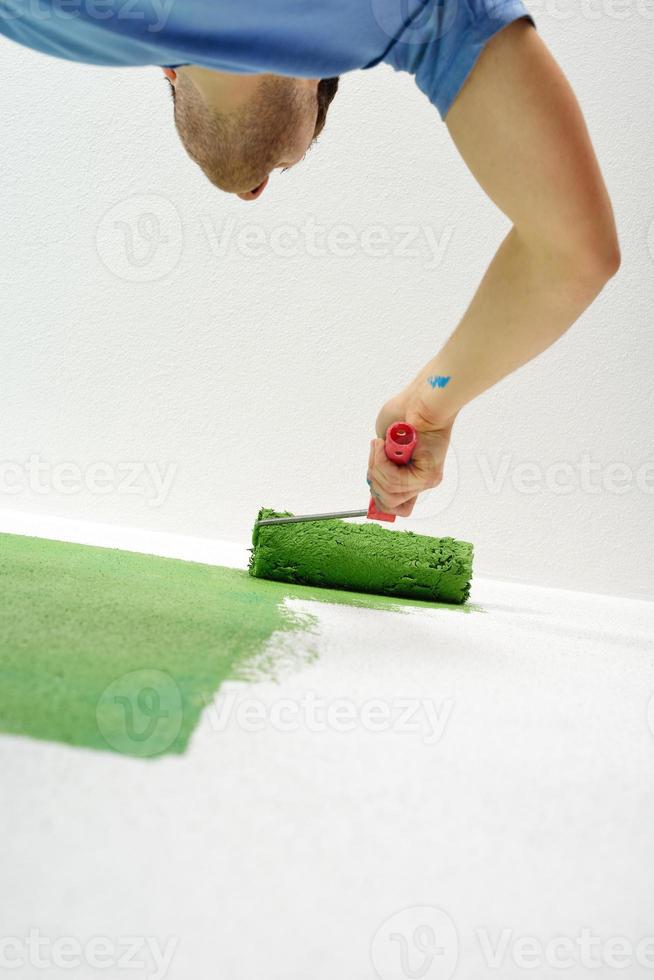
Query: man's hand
[{"x": 395, "y": 488}]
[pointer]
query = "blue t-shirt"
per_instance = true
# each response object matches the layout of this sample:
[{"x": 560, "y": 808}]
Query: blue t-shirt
[{"x": 436, "y": 40}]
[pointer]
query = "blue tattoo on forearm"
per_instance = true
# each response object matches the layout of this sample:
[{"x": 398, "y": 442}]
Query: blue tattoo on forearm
[{"x": 437, "y": 381}]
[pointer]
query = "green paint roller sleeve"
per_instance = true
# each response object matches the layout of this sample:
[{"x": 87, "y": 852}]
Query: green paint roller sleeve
[{"x": 362, "y": 558}]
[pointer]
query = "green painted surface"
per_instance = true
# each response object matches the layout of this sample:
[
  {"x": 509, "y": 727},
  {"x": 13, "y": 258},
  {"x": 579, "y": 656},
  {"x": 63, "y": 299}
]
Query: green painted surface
[{"x": 118, "y": 651}]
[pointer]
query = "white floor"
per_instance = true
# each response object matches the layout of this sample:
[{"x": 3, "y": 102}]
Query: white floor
[{"x": 437, "y": 794}]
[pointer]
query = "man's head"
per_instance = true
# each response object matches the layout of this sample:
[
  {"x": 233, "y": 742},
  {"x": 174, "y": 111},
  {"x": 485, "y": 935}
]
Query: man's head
[{"x": 239, "y": 128}]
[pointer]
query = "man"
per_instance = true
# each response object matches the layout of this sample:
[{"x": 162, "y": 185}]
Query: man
[{"x": 252, "y": 81}]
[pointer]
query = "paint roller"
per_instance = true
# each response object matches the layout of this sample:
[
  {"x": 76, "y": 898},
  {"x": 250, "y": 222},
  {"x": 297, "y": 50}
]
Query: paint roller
[{"x": 323, "y": 550}]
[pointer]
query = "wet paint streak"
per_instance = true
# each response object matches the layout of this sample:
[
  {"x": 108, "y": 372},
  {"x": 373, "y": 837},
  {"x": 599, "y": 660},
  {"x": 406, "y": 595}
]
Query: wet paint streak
[
  {"x": 122, "y": 652},
  {"x": 438, "y": 381}
]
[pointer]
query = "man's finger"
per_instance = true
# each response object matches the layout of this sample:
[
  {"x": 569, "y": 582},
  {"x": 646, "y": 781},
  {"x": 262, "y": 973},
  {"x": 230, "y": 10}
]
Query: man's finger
[
  {"x": 406, "y": 509},
  {"x": 404, "y": 482}
]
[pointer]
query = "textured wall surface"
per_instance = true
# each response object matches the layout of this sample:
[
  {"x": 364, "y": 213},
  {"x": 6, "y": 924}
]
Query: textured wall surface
[
  {"x": 172, "y": 359},
  {"x": 483, "y": 775}
]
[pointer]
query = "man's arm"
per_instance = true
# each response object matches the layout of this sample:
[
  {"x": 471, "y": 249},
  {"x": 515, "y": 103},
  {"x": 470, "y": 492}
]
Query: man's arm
[{"x": 518, "y": 127}]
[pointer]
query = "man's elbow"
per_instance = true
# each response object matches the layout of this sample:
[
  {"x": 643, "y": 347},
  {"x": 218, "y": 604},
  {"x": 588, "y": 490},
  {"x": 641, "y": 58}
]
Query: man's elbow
[
  {"x": 593, "y": 262},
  {"x": 605, "y": 258}
]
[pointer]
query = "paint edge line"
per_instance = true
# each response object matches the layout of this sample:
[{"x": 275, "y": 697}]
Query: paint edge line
[{"x": 207, "y": 551}]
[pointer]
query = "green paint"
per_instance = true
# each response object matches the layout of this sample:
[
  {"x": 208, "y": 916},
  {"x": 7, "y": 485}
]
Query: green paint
[
  {"x": 121, "y": 652},
  {"x": 364, "y": 557}
]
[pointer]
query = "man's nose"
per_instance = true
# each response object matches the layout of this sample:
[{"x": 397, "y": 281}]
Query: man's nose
[{"x": 256, "y": 192}]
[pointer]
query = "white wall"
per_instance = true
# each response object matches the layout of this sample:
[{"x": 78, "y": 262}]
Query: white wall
[{"x": 257, "y": 377}]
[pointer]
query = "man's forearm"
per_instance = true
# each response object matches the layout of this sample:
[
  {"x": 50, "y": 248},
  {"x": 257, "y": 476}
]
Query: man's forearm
[
  {"x": 527, "y": 299},
  {"x": 520, "y": 130}
]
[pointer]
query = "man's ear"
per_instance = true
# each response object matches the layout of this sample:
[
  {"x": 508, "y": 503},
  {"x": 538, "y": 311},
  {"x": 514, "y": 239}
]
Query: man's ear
[{"x": 170, "y": 74}]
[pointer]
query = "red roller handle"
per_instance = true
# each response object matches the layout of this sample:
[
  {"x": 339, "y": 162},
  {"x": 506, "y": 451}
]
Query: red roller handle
[{"x": 401, "y": 440}]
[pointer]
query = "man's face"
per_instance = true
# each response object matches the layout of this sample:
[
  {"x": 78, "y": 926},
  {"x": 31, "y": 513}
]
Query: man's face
[
  {"x": 299, "y": 143},
  {"x": 269, "y": 123}
]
